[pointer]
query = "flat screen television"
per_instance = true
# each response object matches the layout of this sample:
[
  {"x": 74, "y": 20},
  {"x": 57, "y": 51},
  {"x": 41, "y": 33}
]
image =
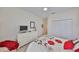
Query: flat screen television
[{"x": 23, "y": 28}]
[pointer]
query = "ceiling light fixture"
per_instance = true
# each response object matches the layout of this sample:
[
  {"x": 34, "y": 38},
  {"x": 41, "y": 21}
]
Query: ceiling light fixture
[{"x": 45, "y": 9}]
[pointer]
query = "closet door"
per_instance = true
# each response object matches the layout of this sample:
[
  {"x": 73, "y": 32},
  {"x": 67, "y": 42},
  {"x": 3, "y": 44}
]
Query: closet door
[{"x": 63, "y": 28}]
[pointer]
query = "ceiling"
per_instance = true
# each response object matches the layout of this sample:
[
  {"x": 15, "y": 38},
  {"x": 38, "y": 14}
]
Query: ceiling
[{"x": 40, "y": 12}]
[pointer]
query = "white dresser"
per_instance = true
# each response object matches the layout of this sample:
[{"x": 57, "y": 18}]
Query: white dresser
[{"x": 24, "y": 38}]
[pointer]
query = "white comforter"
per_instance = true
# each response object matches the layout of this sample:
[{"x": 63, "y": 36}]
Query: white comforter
[{"x": 34, "y": 47}]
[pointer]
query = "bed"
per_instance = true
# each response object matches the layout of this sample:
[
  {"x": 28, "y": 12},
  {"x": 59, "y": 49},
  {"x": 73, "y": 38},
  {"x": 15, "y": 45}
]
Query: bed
[
  {"x": 34, "y": 47},
  {"x": 45, "y": 43},
  {"x": 57, "y": 45}
]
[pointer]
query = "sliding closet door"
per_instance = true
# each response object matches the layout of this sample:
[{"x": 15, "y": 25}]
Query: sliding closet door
[{"x": 62, "y": 28}]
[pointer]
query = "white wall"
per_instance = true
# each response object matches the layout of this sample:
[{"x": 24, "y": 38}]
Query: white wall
[
  {"x": 72, "y": 13},
  {"x": 12, "y": 18}
]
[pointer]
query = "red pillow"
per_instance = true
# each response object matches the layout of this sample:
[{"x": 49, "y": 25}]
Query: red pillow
[
  {"x": 58, "y": 41},
  {"x": 11, "y": 45},
  {"x": 68, "y": 45},
  {"x": 77, "y": 50},
  {"x": 51, "y": 42}
]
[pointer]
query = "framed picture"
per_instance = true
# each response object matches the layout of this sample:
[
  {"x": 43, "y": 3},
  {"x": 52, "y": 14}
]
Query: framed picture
[{"x": 32, "y": 24}]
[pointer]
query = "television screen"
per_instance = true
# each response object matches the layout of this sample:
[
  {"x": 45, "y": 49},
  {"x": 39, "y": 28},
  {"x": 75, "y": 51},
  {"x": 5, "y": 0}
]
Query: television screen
[{"x": 23, "y": 28}]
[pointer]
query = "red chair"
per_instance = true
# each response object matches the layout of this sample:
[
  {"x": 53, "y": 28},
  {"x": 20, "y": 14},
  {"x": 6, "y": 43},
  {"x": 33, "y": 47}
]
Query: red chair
[
  {"x": 68, "y": 45},
  {"x": 11, "y": 45}
]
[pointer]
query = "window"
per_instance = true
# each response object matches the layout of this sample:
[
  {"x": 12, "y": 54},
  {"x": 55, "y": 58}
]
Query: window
[{"x": 63, "y": 28}]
